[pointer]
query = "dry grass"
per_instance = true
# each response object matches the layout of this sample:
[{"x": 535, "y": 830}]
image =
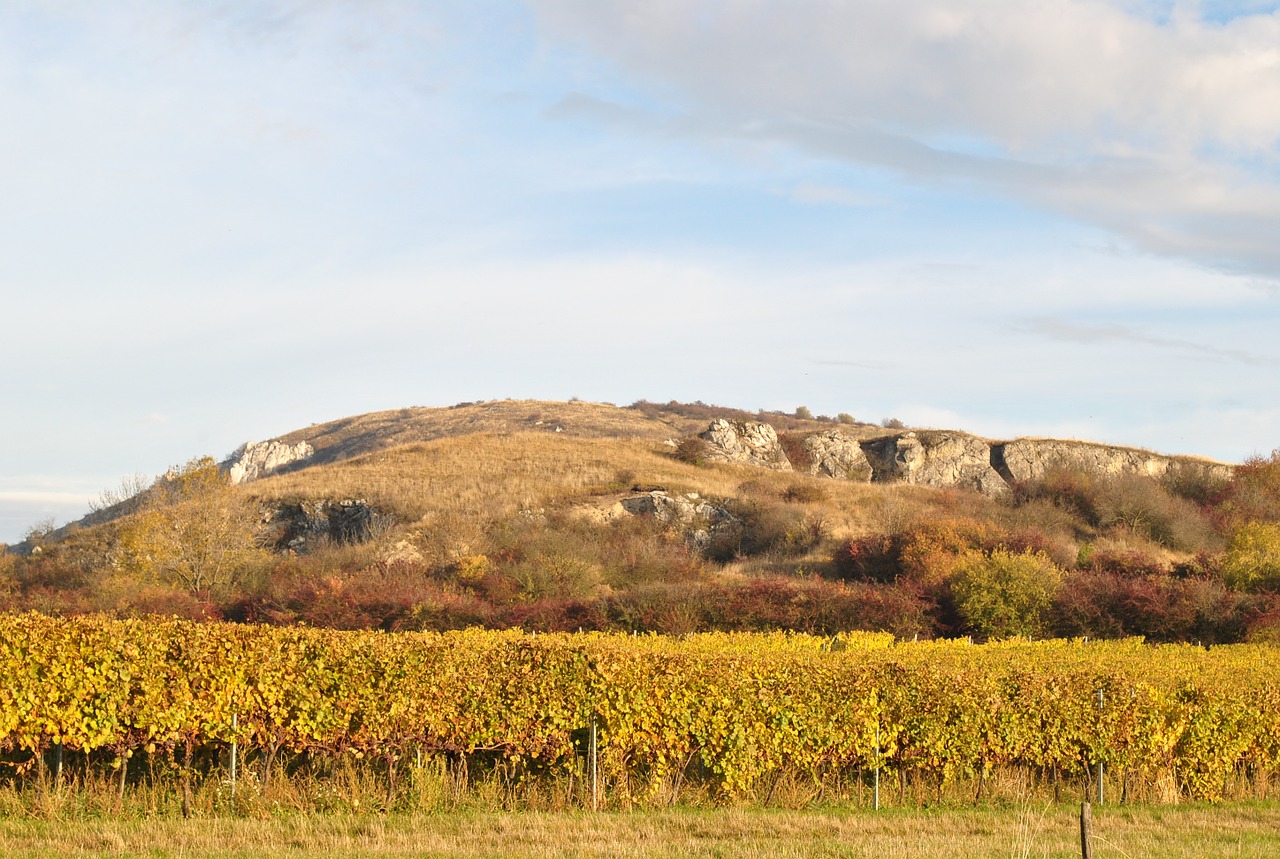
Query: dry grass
[
  {"x": 460, "y": 485},
  {"x": 1017, "y": 831},
  {"x": 379, "y": 430}
]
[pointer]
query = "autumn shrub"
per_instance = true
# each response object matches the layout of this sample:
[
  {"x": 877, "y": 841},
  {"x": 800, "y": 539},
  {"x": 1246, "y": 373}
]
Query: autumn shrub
[
  {"x": 874, "y": 558},
  {"x": 551, "y": 615},
  {"x": 805, "y": 493},
  {"x": 1253, "y": 494},
  {"x": 768, "y": 603},
  {"x": 1252, "y": 559},
  {"x": 1144, "y": 507},
  {"x": 1160, "y": 608},
  {"x": 1003, "y": 593},
  {"x": 1192, "y": 482},
  {"x": 763, "y": 527},
  {"x": 692, "y": 450},
  {"x": 792, "y": 444},
  {"x": 1067, "y": 489},
  {"x": 932, "y": 551},
  {"x": 1126, "y": 563}
]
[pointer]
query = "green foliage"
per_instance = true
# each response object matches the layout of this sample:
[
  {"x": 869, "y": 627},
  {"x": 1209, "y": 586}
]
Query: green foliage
[
  {"x": 845, "y": 418},
  {"x": 1004, "y": 594},
  {"x": 1252, "y": 560},
  {"x": 803, "y": 413}
]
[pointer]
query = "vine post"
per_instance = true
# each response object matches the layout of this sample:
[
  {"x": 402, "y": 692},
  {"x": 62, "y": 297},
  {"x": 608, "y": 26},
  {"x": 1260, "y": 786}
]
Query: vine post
[
  {"x": 235, "y": 725},
  {"x": 1101, "y": 793}
]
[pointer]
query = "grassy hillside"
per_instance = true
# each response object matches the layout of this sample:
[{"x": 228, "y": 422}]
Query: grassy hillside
[{"x": 509, "y": 513}]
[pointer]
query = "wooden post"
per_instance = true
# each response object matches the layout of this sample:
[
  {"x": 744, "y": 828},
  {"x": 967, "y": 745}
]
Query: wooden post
[
  {"x": 1101, "y": 795},
  {"x": 876, "y": 773},
  {"x": 1086, "y": 831},
  {"x": 593, "y": 758},
  {"x": 235, "y": 724}
]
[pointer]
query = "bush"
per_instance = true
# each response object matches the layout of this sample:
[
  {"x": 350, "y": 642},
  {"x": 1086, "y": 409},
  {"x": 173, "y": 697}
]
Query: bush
[
  {"x": 845, "y": 418},
  {"x": 1003, "y": 594},
  {"x": 692, "y": 450},
  {"x": 792, "y": 444},
  {"x": 877, "y": 558},
  {"x": 1252, "y": 560},
  {"x": 765, "y": 528},
  {"x": 1254, "y": 490},
  {"x": 803, "y": 413},
  {"x": 804, "y": 493}
]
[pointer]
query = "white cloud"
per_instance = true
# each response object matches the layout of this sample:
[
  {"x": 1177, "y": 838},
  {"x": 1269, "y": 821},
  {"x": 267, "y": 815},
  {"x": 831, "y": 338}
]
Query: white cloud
[{"x": 1164, "y": 131}]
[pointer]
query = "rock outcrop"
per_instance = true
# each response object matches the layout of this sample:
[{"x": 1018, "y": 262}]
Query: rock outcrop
[
  {"x": 1031, "y": 459},
  {"x": 259, "y": 458},
  {"x": 746, "y": 442},
  {"x": 942, "y": 458},
  {"x": 304, "y": 523},
  {"x": 832, "y": 454},
  {"x": 701, "y": 520},
  {"x": 935, "y": 458}
]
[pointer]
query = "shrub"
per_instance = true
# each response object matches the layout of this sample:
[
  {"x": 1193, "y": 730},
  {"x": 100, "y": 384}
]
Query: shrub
[
  {"x": 803, "y": 413},
  {"x": 692, "y": 450},
  {"x": 792, "y": 444},
  {"x": 931, "y": 551},
  {"x": 892, "y": 423},
  {"x": 1002, "y": 593},
  {"x": 765, "y": 528},
  {"x": 845, "y": 418},
  {"x": 804, "y": 493},
  {"x": 877, "y": 558},
  {"x": 1252, "y": 560},
  {"x": 1254, "y": 490},
  {"x": 1143, "y": 507}
]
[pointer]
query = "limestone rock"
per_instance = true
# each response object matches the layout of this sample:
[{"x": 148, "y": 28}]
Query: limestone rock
[
  {"x": 747, "y": 442},
  {"x": 834, "y": 455},
  {"x": 701, "y": 520},
  {"x": 935, "y": 458},
  {"x": 259, "y": 458},
  {"x": 1031, "y": 459},
  {"x": 348, "y": 520}
]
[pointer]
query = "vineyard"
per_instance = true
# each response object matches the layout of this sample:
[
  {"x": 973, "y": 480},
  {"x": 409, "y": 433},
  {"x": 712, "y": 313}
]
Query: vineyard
[{"x": 640, "y": 717}]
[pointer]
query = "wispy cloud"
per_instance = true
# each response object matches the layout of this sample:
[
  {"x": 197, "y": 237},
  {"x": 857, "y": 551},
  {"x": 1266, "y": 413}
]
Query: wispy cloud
[
  {"x": 1153, "y": 123},
  {"x": 1074, "y": 332}
]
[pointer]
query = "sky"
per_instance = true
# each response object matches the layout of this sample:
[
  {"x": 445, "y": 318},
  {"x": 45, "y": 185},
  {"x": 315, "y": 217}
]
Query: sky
[{"x": 222, "y": 221}]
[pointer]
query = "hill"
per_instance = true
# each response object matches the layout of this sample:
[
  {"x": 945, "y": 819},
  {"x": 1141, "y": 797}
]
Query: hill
[{"x": 677, "y": 517}]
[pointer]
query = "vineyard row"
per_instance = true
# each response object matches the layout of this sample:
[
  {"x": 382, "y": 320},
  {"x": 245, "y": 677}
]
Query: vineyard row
[{"x": 739, "y": 709}]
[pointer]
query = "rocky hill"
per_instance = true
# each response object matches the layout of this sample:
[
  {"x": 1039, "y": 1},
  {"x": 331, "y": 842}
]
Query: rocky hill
[
  {"x": 678, "y": 517},
  {"x": 861, "y": 453}
]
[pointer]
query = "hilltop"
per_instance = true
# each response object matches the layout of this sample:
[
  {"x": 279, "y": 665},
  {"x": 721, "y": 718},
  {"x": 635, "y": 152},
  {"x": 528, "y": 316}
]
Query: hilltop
[{"x": 675, "y": 517}]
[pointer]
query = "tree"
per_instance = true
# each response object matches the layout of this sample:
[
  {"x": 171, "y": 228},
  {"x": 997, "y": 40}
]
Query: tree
[
  {"x": 193, "y": 531},
  {"x": 1005, "y": 593}
]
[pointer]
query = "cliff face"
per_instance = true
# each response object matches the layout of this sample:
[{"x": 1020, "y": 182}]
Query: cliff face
[
  {"x": 260, "y": 458},
  {"x": 935, "y": 459},
  {"x": 943, "y": 458},
  {"x": 1031, "y": 459}
]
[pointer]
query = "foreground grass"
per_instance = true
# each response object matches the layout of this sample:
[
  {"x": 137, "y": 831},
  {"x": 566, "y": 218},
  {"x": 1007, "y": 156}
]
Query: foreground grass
[{"x": 1240, "y": 830}]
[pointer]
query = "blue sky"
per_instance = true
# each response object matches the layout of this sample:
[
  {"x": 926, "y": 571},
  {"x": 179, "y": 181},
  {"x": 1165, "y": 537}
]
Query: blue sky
[{"x": 220, "y": 221}]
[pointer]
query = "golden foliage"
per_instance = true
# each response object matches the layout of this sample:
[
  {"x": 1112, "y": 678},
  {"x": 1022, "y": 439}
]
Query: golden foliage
[{"x": 193, "y": 531}]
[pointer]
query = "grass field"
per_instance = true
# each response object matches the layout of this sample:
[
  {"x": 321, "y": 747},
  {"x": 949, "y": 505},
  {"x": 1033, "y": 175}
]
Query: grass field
[{"x": 1182, "y": 832}]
